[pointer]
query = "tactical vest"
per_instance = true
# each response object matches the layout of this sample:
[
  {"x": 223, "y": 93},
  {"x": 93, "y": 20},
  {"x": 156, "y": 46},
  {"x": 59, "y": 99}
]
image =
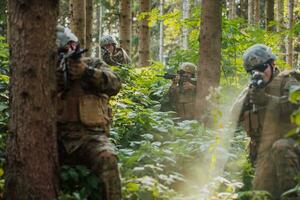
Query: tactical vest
[
  {"x": 85, "y": 107},
  {"x": 269, "y": 123}
]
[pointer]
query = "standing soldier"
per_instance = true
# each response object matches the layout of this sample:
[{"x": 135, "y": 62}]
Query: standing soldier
[
  {"x": 182, "y": 93},
  {"x": 111, "y": 54},
  {"x": 84, "y": 115},
  {"x": 265, "y": 114}
]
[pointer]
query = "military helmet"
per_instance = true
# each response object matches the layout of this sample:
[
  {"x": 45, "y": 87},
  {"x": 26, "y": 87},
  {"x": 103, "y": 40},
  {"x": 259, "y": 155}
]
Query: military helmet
[
  {"x": 63, "y": 36},
  {"x": 188, "y": 67},
  {"x": 256, "y": 55},
  {"x": 108, "y": 39}
]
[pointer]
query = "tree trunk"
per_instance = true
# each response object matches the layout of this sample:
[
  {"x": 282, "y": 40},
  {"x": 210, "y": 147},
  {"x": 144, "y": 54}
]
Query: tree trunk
[
  {"x": 232, "y": 9},
  {"x": 185, "y": 31},
  {"x": 279, "y": 14},
  {"x": 250, "y": 12},
  {"x": 243, "y": 9},
  {"x": 161, "y": 33},
  {"x": 256, "y": 8},
  {"x": 125, "y": 25},
  {"x": 144, "y": 36},
  {"x": 209, "y": 51},
  {"x": 99, "y": 29},
  {"x": 269, "y": 14},
  {"x": 78, "y": 22},
  {"x": 290, "y": 37},
  {"x": 32, "y": 156},
  {"x": 89, "y": 26}
]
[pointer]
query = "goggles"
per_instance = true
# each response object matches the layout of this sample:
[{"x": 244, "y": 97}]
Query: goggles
[{"x": 261, "y": 67}]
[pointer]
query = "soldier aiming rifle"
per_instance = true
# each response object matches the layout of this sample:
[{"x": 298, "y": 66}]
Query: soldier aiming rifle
[{"x": 182, "y": 92}]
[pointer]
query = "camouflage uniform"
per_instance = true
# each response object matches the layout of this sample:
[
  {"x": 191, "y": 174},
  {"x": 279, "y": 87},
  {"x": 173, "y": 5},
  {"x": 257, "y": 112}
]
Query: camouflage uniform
[
  {"x": 84, "y": 118},
  {"x": 276, "y": 158},
  {"x": 118, "y": 57},
  {"x": 183, "y": 100}
]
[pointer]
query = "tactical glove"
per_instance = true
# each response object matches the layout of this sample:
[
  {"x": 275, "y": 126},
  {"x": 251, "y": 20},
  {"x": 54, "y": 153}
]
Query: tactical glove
[{"x": 77, "y": 69}]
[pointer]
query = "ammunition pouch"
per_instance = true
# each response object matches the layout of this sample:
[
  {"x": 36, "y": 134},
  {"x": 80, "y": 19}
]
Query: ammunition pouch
[{"x": 94, "y": 111}]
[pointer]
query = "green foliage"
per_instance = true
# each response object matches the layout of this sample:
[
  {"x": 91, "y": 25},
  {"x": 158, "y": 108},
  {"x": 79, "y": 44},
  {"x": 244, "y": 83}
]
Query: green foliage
[
  {"x": 157, "y": 155},
  {"x": 78, "y": 183},
  {"x": 254, "y": 195}
]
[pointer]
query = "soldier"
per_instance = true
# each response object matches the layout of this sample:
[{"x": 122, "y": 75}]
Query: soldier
[
  {"x": 111, "y": 54},
  {"x": 182, "y": 92},
  {"x": 264, "y": 110},
  {"x": 84, "y": 116}
]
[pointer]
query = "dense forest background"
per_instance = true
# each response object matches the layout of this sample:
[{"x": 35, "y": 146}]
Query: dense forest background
[{"x": 159, "y": 157}]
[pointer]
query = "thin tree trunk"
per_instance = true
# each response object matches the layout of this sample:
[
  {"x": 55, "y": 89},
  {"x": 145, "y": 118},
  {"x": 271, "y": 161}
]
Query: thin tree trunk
[
  {"x": 243, "y": 9},
  {"x": 279, "y": 14},
  {"x": 99, "y": 14},
  {"x": 89, "y": 25},
  {"x": 269, "y": 14},
  {"x": 144, "y": 36},
  {"x": 78, "y": 22},
  {"x": 125, "y": 25},
  {"x": 32, "y": 157},
  {"x": 232, "y": 9},
  {"x": 256, "y": 9},
  {"x": 98, "y": 25},
  {"x": 290, "y": 38},
  {"x": 210, "y": 52},
  {"x": 250, "y": 12},
  {"x": 185, "y": 31},
  {"x": 161, "y": 33}
]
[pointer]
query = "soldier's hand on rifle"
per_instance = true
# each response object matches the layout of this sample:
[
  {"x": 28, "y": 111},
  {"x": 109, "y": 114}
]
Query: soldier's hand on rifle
[
  {"x": 175, "y": 80},
  {"x": 77, "y": 69},
  {"x": 187, "y": 86},
  {"x": 258, "y": 96}
]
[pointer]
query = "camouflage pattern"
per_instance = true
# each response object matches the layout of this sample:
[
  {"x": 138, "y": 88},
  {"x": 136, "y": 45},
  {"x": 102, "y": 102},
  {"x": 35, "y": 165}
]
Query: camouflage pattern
[
  {"x": 118, "y": 58},
  {"x": 257, "y": 54},
  {"x": 188, "y": 67},
  {"x": 183, "y": 100},
  {"x": 108, "y": 39},
  {"x": 275, "y": 158},
  {"x": 64, "y": 35},
  {"x": 87, "y": 143}
]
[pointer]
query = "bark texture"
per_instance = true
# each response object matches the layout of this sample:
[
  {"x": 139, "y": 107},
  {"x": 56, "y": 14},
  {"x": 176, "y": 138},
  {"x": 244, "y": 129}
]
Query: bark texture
[
  {"x": 256, "y": 9},
  {"x": 144, "y": 36},
  {"x": 32, "y": 157},
  {"x": 250, "y": 12},
  {"x": 78, "y": 21},
  {"x": 99, "y": 29},
  {"x": 89, "y": 26},
  {"x": 269, "y": 14},
  {"x": 161, "y": 33},
  {"x": 185, "y": 30},
  {"x": 232, "y": 9},
  {"x": 290, "y": 37},
  {"x": 210, "y": 52},
  {"x": 279, "y": 14},
  {"x": 125, "y": 25}
]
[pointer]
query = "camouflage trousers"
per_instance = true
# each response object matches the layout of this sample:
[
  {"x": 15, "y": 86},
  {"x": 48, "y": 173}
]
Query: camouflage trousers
[
  {"x": 275, "y": 171},
  {"x": 92, "y": 149}
]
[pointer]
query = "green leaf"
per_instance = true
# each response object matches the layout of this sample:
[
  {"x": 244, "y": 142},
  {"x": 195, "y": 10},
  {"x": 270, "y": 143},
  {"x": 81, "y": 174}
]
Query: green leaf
[{"x": 132, "y": 187}]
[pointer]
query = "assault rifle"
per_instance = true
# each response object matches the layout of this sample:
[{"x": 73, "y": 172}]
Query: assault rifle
[
  {"x": 182, "y": 78},
  {"x": 257, "y": 82},
  {"x": 64, "y": 65}
]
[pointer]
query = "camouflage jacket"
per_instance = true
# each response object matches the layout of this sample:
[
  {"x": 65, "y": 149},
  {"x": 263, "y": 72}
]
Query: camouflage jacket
[
  {"x": 118, "y": 58},
  {"x": 183, "y": 101},
  {"x": 271, "y": 121},
  {"x": 86, "y": 102}
]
